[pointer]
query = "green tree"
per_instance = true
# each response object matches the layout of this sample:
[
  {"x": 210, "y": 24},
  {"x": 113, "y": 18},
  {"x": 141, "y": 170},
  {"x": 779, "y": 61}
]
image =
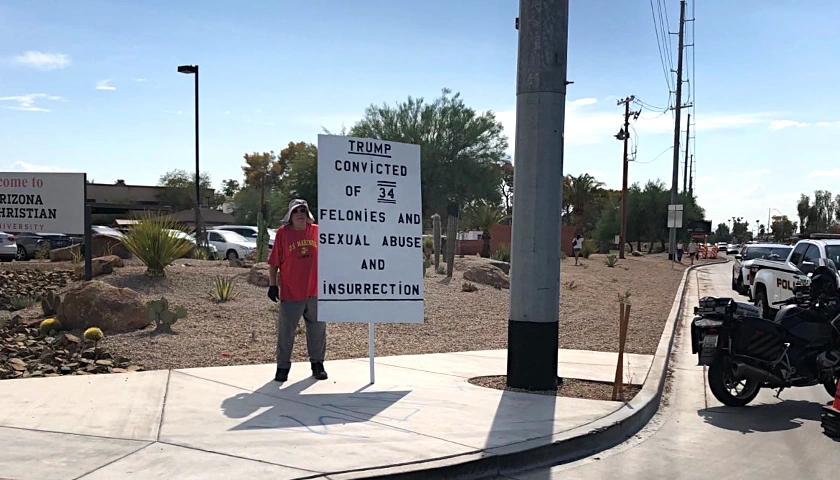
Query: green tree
[
  {"x": 263, "y": 171},
  {"x": 230, "y": 187},
  {"x": 179, "y": 190},
  {"x": 722, "y": 233},
  {"x": 120, "y": 181},
  {"x": 781, "y": 228},
  {"x": 507, "y": 185},
  {"x": 583, "y": 199},
  {"x": 609, "y": 221},
  {"x": 301, "y": 174},
  {"x": 461, "y": 150}
]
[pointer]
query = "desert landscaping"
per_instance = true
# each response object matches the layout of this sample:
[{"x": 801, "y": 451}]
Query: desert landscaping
[{"x": 460, "y": 315}]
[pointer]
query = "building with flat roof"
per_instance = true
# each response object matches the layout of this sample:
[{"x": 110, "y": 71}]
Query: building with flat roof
[{"x": 125, "y": 200}]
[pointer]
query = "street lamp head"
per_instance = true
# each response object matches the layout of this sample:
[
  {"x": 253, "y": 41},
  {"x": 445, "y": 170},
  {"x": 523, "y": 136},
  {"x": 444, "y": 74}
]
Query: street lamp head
[{"x": 188, "y": 69}]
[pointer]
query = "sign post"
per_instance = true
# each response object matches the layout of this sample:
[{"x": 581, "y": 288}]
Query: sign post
[{"x": 371, "y": 233}]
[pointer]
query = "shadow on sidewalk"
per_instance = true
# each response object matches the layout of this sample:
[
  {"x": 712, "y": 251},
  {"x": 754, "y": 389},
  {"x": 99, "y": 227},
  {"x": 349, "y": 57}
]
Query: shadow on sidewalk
[
  {"x": 777, "y": 417},
  {"x": 289, "y": 408}
]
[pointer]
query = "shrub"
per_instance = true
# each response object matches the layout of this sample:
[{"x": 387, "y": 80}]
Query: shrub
[
  {"x": 93, "y": 334},
  {"x": 21, "y": 302},
  {"x": 612, "y": 260},
  {"x": 151, "y": 241},
  {"x": 441, "y": 270},
  {"x": 50, "y": 303},
  {"x": 588, "y": 249},
  {"x": 223, "y": 289},
  {"x": 502, "y": 253},
  {"x": 468, "y": 287},
  {"x": 49, "y": 325},
  {"x": 570, "y": 285}
]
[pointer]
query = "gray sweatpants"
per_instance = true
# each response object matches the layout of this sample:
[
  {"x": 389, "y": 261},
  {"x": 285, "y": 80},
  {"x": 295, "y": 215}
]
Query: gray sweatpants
[{"x": 288, "y": 321}]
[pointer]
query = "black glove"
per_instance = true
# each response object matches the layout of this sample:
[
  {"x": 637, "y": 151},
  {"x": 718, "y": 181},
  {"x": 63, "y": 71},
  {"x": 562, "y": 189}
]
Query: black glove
[{"x": 273, "y": 293}]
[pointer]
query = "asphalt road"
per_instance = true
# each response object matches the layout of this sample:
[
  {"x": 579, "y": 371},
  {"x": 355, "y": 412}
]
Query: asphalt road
[{"x": 694, "y": 437}]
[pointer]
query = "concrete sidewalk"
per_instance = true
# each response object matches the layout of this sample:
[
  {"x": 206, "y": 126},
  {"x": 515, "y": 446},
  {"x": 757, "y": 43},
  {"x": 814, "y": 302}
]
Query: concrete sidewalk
[{"x": 235, "y": 422}]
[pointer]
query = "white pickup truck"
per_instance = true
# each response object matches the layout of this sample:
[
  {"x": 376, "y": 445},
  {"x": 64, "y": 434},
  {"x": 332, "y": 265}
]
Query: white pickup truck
[{"x": 772, "y": 282}]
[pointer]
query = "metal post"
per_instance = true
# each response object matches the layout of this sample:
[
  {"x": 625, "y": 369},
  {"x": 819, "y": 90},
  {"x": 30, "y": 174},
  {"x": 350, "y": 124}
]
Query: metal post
[
  {"x": 88, "y": 236},
  {"x": 198, "y": 231},
  {"x": 538, "y": 182}
]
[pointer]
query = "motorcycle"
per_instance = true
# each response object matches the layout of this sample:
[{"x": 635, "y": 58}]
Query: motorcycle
[{"x": 800, "y": 347}]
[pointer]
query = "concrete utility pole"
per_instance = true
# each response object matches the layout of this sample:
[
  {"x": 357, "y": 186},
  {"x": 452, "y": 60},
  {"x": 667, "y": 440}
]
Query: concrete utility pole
[
  {"x": 538, "y": 182},
  {"x": 625, "y": 136},
  {"x": 685, "y": 163},
  {"x": 675, "y": 178}
]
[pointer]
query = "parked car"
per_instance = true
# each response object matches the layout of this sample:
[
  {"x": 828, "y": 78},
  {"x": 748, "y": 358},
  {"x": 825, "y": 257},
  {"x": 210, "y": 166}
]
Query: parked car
[
  {"x": 733, "y": 249},
  {"x": 249, "y": 232},
  {"x": 8, "y": 247},
  {"x": 230, "y": 244},
  {"x": 773, "y": 282},
  {"x": 212, "y": 251},
  {"x": 29, "y": 243},
  {"x": 721, "y": 246},
  {"x": 741, "y": 266}
]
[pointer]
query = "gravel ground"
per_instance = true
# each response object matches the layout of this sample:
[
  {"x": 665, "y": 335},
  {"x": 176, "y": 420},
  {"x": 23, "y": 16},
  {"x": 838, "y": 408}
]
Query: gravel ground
[
  {"x": 569, "y": 388},
  {"x": 243, "y": 331}
]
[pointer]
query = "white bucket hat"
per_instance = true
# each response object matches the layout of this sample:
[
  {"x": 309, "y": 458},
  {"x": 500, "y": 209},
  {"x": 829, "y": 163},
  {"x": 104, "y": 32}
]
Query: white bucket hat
[{"x": 294, "y": 204}]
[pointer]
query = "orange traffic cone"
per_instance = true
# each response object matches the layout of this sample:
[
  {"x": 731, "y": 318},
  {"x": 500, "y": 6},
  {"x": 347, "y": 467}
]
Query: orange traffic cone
[{"x": 831, "y": 416}]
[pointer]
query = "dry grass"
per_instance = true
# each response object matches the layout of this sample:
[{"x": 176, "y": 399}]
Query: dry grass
[
  {"x": 243, "y": 331},
  {"x": 570, "y": 387}
]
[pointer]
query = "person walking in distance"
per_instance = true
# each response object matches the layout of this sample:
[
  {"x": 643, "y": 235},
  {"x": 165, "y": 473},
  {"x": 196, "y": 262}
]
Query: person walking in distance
[
  {"x": 692, "y": 250},
  {"x": 295, "y": 256},
  {"x": 577, "y": 246},
  {"x": 679, "y": 251}
]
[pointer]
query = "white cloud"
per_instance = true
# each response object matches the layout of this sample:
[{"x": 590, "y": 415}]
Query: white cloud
[
  {"x": 584, "y": 101},
  {"x": 43, "y": 61},
  {"x": 31, "y": 167},
  {"x": 26, "y": 103},
  {"x": 827, "y": 124},
  {"x": 834, "y": 172},
  {"x": 227, "y": 112},
  {"x": 139, "y": 80},
  {"x": 780, "y": 124},
  {"x": 104, "y": 85}
]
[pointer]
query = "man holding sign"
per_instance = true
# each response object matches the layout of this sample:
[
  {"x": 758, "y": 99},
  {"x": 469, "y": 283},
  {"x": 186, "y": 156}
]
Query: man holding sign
[{"x": 295, "y": 255}]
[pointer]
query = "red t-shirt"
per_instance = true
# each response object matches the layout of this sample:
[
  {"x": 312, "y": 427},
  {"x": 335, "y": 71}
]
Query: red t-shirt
[{"x": 296, "y": 253}]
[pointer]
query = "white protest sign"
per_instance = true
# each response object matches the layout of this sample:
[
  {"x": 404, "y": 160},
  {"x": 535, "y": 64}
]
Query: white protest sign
[
  {"x": 42, "y": 202},
  {"x": 370, "y": 261}
]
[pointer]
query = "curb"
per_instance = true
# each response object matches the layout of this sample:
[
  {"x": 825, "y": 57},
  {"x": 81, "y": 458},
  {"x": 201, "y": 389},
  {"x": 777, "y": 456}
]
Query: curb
[{"x": 557, "y": 449}]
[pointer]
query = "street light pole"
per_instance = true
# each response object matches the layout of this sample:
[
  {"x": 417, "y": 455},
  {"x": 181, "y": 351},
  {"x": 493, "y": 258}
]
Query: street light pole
[{"x": 193, "y": 70}]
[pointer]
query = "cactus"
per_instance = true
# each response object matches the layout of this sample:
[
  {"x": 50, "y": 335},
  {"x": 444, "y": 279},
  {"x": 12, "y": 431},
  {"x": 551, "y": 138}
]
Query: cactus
[
  {"x": 49, "y": 325},
  {"x": 50, "y": 303},
  {"x": 93, "y": 334},
  {"x": 158, "y": 311},
  {"x": 437, "y": 242},
  {"x": 262, "y": 239}
]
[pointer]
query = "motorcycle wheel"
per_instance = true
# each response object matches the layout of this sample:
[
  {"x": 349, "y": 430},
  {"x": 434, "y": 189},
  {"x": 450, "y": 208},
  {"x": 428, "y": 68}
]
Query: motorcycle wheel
[{"x": 723, "y": 385}]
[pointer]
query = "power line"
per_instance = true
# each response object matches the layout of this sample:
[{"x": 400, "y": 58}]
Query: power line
[{"x": 656, "y": 157}]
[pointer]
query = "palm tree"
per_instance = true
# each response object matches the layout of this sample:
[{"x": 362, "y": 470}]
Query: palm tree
[
  {"x": 483, "y": 216},
  {"x": 580, "y": 195}
]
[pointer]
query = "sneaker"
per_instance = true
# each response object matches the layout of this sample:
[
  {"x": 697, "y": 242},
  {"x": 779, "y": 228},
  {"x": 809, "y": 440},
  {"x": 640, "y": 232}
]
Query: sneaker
[
  {"x": 282, "y": 375},
  {"x": 318, "y": 371}
]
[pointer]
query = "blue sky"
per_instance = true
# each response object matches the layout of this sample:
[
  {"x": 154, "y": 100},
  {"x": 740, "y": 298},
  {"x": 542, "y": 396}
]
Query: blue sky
[{"x": 91, "y": 85}]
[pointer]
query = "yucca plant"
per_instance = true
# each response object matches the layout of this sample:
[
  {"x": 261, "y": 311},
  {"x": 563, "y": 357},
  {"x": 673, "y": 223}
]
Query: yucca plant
[
  {"x": 151, "y": 240},
  {"x": 611, "y": 261},
  {"x": 223, "y": 289}
]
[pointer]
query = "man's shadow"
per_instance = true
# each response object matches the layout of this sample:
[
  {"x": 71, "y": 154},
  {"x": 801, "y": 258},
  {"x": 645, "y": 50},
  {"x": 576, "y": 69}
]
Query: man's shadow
[{"x": 289, "y": 408}]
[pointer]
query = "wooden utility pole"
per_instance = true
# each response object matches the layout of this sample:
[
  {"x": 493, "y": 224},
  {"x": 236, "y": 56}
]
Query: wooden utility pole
[
  {"x": 625, "y": 136},
  {"x": 675, "y": 176},
  {"x": 686, "y": 169},
  {"x": 691, "y": 177}
]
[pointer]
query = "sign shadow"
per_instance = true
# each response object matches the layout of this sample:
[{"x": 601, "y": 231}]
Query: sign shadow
[{"x": 290, "y": 408}]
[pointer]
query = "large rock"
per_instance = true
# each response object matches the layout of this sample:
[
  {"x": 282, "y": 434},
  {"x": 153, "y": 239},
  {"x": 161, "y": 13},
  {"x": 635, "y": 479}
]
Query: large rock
[
  {"x": 487, "y": 275},
  {"x": 98, "y": 304},
  {"x": 259, "y": 275},
  {"x": 98, "y": 266},
  {"x": 102, "y": 245}
]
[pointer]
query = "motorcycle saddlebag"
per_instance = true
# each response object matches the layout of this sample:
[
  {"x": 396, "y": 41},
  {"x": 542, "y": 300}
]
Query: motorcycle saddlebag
[{"x": 758, "y": 338}]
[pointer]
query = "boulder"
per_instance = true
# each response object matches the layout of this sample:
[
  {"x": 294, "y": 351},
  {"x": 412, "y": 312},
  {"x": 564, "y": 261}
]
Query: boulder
[
  {"x": 98, "y": 266},
  {"x": 487, "y": 274},
  {"x": 259, "y": 275},
  {"x": 98, "y": 304},
  {"x": 115, "y": 260}
]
